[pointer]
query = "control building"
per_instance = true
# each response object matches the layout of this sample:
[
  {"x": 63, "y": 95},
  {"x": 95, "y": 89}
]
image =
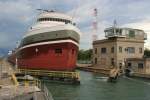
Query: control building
[{"x": 120, "y": 44}]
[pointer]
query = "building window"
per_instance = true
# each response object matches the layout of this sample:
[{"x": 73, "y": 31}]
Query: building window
[
  {"x": 112, "y": 62},
  {"x": 95, "y": 60},
  {"x": 131, "y": 50},
  {"x": 131, "y": 33},
  {"x": 120, "y": 49},
  {"x": 140, "y": 50},
  {"x": 103, "y": 50},
  {"x": 140, "y": 65},
  {"x": 129, "y": 65},
  {"x": 119, "y": 31},
  {"x": 112, "y": 50},
  {"x": 95, "y": 50},
  {"x": 120, "y": 65},
  {"x": 58, "y": 51}
]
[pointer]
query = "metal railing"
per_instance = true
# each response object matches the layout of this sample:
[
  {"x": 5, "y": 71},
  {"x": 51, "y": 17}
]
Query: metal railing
[
  {"x": 47, "y": 94},
  {"x": 60, "y": 74}
]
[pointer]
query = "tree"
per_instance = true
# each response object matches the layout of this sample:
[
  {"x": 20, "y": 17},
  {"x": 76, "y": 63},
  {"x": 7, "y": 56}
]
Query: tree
[
  {"x": 85, "y": 55},
  {"x": 146, "y": 53}
]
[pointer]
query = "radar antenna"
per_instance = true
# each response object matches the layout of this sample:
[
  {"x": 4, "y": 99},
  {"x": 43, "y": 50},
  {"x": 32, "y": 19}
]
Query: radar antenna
[{"x": 115, "y": 25}]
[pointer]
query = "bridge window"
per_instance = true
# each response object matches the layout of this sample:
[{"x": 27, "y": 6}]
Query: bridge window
[
  {"x": 119, "y": 31},
  {"x": 54, "y": 19},
  {"x": 131, "y": 33}
]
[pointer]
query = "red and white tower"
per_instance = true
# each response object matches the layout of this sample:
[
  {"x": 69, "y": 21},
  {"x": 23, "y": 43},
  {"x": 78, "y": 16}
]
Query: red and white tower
[{"x": 95, "y": 25}]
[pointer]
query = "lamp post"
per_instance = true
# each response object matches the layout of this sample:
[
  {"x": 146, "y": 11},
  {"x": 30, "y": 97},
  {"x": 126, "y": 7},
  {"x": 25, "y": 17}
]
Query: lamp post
[
  {"x": 16, "y": 63},
  {"x": 17, "y": 45}
]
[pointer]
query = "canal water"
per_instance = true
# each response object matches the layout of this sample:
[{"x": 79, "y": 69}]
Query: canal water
[{"x": 95, "y": 87}]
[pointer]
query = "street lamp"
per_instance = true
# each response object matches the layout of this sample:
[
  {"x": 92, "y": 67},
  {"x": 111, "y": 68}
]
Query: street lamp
[{"x": 16, "y": 62}]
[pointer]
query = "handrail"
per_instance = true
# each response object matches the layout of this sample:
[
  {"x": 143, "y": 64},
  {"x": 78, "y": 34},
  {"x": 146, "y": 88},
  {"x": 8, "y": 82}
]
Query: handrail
[{"x": 47, "y": 94}]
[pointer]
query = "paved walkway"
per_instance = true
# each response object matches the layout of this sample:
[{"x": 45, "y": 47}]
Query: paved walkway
[{"x": 6, "y": 71}]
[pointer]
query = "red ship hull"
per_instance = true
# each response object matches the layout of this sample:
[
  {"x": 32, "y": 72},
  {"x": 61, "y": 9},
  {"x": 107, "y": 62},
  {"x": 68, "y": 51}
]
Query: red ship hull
[{"x": 57, "y": 57}]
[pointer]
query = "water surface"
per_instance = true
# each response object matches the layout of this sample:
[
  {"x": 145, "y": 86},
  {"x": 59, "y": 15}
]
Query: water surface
[{"x": 95, "y": 87}]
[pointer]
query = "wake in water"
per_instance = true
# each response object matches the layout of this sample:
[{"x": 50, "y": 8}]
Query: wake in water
[
  {"x": 102, "y": 79},
  {"x": 137, "y": 80}
]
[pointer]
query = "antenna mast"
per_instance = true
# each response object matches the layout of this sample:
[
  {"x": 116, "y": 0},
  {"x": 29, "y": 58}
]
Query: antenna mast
[
  {"x": 95, "y": 24},
  {"x": 115, "y": 25}
]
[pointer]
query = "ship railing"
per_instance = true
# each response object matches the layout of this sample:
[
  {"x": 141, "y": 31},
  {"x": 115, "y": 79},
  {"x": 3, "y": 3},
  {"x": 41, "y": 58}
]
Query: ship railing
[{"x": 47, "y": 28}]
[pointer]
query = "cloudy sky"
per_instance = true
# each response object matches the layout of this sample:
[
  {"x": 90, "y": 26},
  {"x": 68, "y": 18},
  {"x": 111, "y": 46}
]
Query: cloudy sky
[{"x": 16, "y": 16}]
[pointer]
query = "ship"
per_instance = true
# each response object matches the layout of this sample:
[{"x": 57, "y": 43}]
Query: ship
[{"x": 52, "y": 43}]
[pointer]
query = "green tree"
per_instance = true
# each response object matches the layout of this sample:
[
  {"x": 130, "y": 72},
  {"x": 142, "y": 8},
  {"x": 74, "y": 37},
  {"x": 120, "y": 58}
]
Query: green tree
[
  {"x": 146, "y": 53},
  {"x": 85, "y": 55}
]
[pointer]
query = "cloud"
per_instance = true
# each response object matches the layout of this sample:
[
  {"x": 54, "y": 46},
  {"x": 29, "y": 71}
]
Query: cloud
[
  {"x": 144, "y": 25},
  {"x": 6, "y": 40},
  {"x": 17, "y": 16},
  {"x": 19, "y": 10}
]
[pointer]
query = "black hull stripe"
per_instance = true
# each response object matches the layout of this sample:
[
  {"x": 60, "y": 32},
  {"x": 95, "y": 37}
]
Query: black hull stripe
[{"x": 50, "y": 36}]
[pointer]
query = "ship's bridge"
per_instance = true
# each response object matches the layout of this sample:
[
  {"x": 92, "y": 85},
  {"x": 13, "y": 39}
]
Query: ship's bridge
[
  {"x": 54, "y": 16},
  {"x": 50, "y": 19},
  {"x": 125, "y": 33}
]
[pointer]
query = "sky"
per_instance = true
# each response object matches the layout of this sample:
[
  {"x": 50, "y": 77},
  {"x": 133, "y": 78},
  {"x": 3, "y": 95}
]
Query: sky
[{"x": 16, "y": 16}]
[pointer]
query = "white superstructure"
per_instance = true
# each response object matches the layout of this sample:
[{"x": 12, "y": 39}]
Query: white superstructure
[{"x": 52, "y": 21}]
